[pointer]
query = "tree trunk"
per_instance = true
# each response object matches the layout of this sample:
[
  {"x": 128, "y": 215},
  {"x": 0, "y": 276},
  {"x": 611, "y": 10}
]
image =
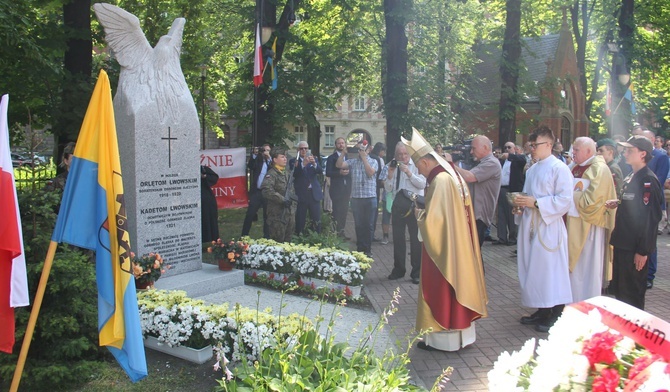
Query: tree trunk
[
  {"x": 621, "y": 119},
  {"x": 78, "y": 61},
  {"x": 264, "y": 108},
  {"x": 580, "y": 10},
  {"x": 396, "y": 100},
  {"x": 509, "y": 72},
  {"x": 313, "y": 127}
]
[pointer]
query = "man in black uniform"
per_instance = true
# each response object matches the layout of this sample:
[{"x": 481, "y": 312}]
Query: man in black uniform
[
  {"x": 340, "y": 186},
  {"x": 637, "y": 217},
  {"x": 258, "y": 166}
]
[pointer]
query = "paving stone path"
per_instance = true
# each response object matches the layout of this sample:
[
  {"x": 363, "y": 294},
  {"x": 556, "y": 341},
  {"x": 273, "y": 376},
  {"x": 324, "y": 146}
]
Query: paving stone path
[{"x": 501, "y": 331}]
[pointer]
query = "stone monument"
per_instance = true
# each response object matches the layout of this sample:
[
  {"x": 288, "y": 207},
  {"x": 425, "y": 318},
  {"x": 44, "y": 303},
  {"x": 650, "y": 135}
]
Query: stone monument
[{"x": 158, "y": 131}]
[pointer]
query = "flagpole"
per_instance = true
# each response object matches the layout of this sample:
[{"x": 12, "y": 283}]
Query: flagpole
[{"x": 37, "y": 304}]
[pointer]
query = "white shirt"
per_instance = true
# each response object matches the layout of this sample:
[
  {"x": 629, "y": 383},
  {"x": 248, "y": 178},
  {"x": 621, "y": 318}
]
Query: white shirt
[
  {"x": 416, "y": 183},
  {"x": 506, "y": 170}
]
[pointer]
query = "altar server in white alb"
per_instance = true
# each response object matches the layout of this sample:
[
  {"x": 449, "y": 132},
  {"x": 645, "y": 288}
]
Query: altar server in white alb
[
  {"x": 542, "y": 238},
  {"x": 590, "y": 222}
]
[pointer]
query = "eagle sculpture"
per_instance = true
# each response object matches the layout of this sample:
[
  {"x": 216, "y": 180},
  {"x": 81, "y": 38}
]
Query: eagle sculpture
[{"x": 148, "y": 75}]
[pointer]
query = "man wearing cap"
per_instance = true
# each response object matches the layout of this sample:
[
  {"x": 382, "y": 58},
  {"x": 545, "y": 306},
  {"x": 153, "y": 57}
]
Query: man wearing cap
[
  {"x": 589, "y": 221},
  {"x": 452, "y": 290},
  {"x": 607, "y": 148},
  {"x": 637, "y": 216},
  {"x": 543, "y": 239}
]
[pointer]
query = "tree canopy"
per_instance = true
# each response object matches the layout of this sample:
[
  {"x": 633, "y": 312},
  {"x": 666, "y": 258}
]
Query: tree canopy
[{"x": 335, "y": 49}]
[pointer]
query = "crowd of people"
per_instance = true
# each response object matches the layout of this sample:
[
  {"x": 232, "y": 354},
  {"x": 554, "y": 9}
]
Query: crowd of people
[{"x": 585, "y": 221}]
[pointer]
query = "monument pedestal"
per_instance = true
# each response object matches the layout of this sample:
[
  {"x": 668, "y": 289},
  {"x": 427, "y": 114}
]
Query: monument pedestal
[{"x": 202, "y": 282}]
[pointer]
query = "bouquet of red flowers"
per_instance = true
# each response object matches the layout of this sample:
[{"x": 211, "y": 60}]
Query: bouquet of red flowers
[{"x": 598, "y": 345}]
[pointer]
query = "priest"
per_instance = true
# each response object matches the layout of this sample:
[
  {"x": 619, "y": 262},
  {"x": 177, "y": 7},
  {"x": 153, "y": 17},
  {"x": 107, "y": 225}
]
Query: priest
[
  {"x": 590, "y": 222},
  {"x": 452, "y": 291},
  {"x": 542, "y": 238}
]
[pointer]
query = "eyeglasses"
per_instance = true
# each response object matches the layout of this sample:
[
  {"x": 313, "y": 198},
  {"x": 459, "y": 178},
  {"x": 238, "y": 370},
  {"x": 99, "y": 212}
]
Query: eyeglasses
[
  {"x": 534, "y": 145},
  {"x": 509, "y": 147}
]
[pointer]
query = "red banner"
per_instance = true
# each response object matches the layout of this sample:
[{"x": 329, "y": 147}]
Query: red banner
[
  {"x": 645, "y": 329},
  {"x": 231, "y": 166}
]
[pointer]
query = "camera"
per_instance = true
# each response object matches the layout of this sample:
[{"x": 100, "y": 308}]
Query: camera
[
  {"x": 461, "y": 153},
  {"x": 393, "y": 163}
]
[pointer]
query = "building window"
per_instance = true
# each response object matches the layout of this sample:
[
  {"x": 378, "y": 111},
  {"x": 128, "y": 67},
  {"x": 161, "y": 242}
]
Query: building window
[
  {"x": 299, "y": 134},
  {"x": 566, "y": 133},
  {"x": 330, "y": 136},
  {"x": 566, "y": 97},
  {"x": 225, "y": 140},
  {"x": 359, "y": 104}
]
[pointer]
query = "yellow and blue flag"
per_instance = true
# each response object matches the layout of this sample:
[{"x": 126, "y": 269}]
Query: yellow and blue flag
[
  {"x": 273, "y": 69},
  {"x": 93, "y": 216}
]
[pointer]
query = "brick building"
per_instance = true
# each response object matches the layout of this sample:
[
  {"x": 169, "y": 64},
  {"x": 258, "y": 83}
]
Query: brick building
[{"x": 549, "y": 84}]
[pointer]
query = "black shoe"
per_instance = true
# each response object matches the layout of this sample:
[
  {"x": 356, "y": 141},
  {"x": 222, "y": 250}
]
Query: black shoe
[
  {"x": 424, "y": 346},
  {"x": 650, "y": 284},
  {"x": 510, "y": 243},
  {"x": 395, "y": 276},
  {"x": 542, "y": 315},
  {"x": 500, "y": 242},
  {"x": 488, "y": 238},
  {"x": 546, "y": 325},
  {"x": 415, "y": 280}
]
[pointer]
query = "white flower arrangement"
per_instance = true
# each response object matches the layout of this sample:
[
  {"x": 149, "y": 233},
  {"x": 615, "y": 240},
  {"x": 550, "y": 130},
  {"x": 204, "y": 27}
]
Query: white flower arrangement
[
  {"x": 583, "y": 353},
  {"x": 176, "y": 320},
  {"x": 328, "y": 264}
]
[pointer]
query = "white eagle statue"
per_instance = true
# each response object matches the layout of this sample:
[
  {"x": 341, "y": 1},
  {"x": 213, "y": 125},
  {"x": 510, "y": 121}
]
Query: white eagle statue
[{"x": 147, "y": 74}]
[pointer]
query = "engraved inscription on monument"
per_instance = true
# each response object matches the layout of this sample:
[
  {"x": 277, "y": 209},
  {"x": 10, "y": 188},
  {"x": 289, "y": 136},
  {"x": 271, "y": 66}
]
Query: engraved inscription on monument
[{"x": 173, "y": 244}]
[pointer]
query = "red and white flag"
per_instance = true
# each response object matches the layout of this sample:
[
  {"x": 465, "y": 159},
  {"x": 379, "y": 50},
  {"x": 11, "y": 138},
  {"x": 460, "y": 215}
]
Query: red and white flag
[
  {"x": 258, "y": 59},
  {"x": 231, "y": 166},
  {"x": 13, "y": 279}
]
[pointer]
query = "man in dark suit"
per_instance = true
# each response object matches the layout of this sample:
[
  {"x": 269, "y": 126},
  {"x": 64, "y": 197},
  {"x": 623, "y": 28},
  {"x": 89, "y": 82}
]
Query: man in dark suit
[
  {"x": 258, "y": 167},
  {"x": 340, "y": 186},
  {"x": 511, "y": 180},
  {"x": 307, "y": 188}
]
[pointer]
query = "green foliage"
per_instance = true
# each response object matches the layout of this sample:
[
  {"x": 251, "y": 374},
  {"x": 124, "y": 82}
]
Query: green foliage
[
  {"x": 30, "y": 61},
  {"x": 65, "y": 341},
  {"x": 328, "y": 237},
  {"x": 440, "y": 49},
  {"x": 317, "y": 363}
]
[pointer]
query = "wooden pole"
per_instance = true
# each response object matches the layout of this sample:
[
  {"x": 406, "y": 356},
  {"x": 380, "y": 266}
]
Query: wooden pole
[{"x": 37, "y": 303}]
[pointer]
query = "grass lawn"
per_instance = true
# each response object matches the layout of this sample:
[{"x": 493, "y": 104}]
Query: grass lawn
[
  {"x": 166, "y": 373},
  {"x": 230, "y": 226}
]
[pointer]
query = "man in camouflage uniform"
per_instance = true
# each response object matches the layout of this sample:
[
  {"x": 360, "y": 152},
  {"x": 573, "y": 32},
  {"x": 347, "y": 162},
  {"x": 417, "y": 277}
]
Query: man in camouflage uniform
[{"x": 280, "y": 211}]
